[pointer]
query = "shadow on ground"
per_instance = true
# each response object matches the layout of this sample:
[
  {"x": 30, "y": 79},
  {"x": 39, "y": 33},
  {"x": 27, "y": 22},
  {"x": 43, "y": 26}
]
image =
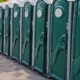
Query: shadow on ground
[{"x": 11, "y": 70}]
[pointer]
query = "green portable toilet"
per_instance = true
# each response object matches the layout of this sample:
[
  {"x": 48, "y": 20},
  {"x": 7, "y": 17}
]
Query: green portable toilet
[
  {"x": 16, "y": 36},
  {"x": 7, "y": 28},
  {"x": 58, "y": 51},
  {"x": 27, "y": 32},
  {"x": 76, "y": 41},
  {"x": 16, "y": 30},
  {"x": 40, "y": 36},
  {"x": 2, "y": 7}
]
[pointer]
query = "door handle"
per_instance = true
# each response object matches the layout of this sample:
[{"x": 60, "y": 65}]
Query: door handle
[
  {"x": 0, "y": 31},
  {"x": 61, "y": 45},
  {"x": 15, "y": 38},
  {"x": 7, "y": 32},
  {"x": 26, "y": 41},
  {"x": 40, "y": 43},
  {"x": 18, "y": 33}
]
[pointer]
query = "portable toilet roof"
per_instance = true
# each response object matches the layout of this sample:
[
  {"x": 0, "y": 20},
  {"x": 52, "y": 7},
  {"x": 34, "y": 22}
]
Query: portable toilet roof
[
  {"x": 10, "y": 4},
  {"x": 49, "y": 1},
  {"x": 33, "y": 2},
  {"x": 18, "y": 2},
  {"x": 3, "y": 5},
  {"x": 7, "y": 3}
]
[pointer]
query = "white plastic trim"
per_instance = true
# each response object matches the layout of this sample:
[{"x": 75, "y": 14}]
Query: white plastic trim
[
  {"x": 10, "y": 4},
  {"x": 23, "y": 2},
  {"x": 3, "y": 5},
  {"x": 33, "y": 2},
  {"x": 49, "y": 1},
  {"x": 18, "y": 2},
  {"x": 71, "y": 0}
]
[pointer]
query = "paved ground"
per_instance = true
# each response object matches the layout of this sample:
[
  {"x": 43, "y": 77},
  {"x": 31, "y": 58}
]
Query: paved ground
[{"x": 11, "y": 70}]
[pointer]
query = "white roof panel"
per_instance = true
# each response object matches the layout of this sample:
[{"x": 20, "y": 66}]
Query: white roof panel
[
  {"x": 3, "y": 5},
  {"x": 33, "y": 2},
  {"x": 10, "y": 4},
  {"x": 49, "y": 1},
  {"x": 18, "y": 2}
]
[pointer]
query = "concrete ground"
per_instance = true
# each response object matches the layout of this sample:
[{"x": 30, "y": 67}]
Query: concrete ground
[{"x": 11, "y": 70}]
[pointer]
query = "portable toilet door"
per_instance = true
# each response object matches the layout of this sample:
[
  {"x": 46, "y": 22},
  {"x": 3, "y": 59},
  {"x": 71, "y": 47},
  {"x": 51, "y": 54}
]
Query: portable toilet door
[
  {"x": 7, "y": 29},
  {"x": 27, "y": 33},
  {"x": 76, "y": 41},
  {"x": 58, "y": 39},
  {"x": 40, "y": 36},
  {"x": 2, "y": 7},
  {"x": 16, "y": 28}
]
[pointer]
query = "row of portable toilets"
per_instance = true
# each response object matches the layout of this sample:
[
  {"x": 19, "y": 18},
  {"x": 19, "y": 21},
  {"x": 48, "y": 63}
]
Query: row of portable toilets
[{"x": 36, "y": 34}]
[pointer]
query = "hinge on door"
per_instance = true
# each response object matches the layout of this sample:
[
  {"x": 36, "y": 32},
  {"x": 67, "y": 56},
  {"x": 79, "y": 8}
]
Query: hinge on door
[
  {"x": 47, "y": 24},
  {"x": 4, "y": 22},
  {"x": 19, "y": 22},
  {"x": 71, "y": 0},
  {"x": 32, "y": 23},
  {"x": 74, "y": 15},
  {"x": 10, "y": 22},
  {"x": 51, "y": 15},
  {"x": 72, "y": 60},
  {"x": 67, "y": 26},
  {"x": 50, "y": 53}
]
